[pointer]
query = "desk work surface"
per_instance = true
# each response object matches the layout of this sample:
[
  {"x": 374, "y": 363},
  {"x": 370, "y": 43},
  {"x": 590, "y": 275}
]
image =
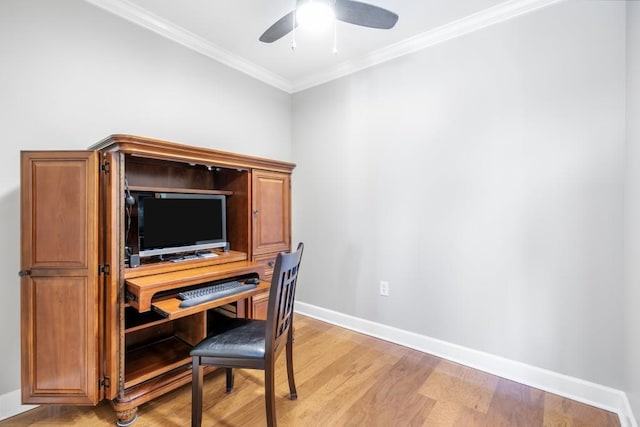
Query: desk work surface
[{"x": 141, "y": 290}]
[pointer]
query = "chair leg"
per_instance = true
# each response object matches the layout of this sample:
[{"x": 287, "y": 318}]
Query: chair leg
[
  {"x": 269, "y": 394},
  {"x": 292, "y": 382},
  {"x": 196, "y": 392},
  {"x": 230, "y": 377}
]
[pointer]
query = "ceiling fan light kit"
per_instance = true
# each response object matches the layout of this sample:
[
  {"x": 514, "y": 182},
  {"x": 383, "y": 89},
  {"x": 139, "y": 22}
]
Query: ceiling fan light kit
[
  {"x": 349, "y": 11},
  {"x": 315, "y": 14}
]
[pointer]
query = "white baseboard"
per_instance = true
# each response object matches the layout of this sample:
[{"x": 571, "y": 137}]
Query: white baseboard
[
  {"x": 11, "y": 404},
  {"x": 583, "y": 391}
]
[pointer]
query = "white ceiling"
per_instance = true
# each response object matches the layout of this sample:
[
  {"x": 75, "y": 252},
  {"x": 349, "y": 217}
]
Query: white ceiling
[{"x": 228, "y": 31}]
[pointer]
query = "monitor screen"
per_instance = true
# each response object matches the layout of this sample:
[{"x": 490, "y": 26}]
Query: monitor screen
[{"x": 178, "y": 222}]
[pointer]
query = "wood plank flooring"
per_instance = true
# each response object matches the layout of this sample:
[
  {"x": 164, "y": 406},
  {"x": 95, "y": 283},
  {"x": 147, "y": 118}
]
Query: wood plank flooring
[{"x": 349, "y": 379}]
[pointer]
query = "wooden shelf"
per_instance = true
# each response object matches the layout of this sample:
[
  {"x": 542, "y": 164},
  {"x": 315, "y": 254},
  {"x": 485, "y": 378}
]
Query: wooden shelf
[
  {"x": 168, "y": 266},
  {"x": 158, "y": 358},
  {"x": 136, "y": 321},
  {"x": 177, "y": 190},
  {"x": 151, "y": 389}
]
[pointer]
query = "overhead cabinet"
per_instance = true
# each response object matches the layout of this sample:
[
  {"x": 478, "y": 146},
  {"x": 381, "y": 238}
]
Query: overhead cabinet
[{"x": 98, "y": 321}]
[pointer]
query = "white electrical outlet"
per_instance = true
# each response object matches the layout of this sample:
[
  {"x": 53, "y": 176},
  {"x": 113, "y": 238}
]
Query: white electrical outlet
[{"x": 384, "y": 288}]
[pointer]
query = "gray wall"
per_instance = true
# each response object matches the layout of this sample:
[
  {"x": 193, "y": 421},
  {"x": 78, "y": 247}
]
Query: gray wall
[
  {"x": 632, "y": 350},
  {"x": 72, "y": 74},
  {"x": 483, "y": 178}
]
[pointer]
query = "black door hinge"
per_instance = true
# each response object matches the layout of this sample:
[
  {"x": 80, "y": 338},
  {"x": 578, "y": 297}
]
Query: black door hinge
[
  {"x": 104, "y": 382},
  {"x": 104, "y": 166},
  {"x": 103, "y": 269}
]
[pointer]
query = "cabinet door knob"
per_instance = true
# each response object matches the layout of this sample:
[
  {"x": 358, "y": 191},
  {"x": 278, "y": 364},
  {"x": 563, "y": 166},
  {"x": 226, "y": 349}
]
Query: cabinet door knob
[
  {"x": 271, "y": 263},
  {"x": 23, "y": 273},
  {"x": 256, "y": 212}
]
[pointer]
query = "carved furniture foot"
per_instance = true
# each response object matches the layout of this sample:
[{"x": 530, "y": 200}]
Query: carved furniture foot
[{"x": 127, "y": 418}]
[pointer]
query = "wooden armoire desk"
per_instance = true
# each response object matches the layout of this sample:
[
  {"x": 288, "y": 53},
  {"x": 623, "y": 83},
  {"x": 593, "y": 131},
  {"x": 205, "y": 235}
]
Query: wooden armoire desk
[{"x": 94, "y": 328}]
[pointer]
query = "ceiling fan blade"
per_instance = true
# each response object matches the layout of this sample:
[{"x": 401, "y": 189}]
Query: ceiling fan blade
[
  {"x": 366, "y": 15},
  {"x": 282, "y": 27}
]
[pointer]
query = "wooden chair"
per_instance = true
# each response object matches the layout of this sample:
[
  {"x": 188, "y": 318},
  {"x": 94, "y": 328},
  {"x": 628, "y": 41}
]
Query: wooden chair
[{"x": 254, "y": 344}]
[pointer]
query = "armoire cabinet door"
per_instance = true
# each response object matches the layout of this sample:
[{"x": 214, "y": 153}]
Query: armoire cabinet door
[
  {"x": 60, "y": 295},
  {"x": 271, "y": 211}
]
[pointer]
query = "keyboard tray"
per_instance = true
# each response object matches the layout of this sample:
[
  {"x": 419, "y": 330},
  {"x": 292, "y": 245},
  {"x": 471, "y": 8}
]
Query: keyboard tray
[
  {"x": 170, "y": 309},
  {"x": 142, "y": 289}
]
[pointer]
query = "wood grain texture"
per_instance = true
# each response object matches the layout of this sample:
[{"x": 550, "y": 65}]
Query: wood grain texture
[
  {"x": 271, "y": 212},
  {"x": 349, "y": 379},
  {"x": 59, "y": 253}
]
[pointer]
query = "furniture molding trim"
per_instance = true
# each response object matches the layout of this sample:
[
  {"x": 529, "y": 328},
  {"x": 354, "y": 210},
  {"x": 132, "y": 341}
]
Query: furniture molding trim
[
  {"x": 11, "y": 404},
  {"x": 490, "y": 16},
  {"x": 573, "y": 388},
  {"x": 171, "y": 31}
]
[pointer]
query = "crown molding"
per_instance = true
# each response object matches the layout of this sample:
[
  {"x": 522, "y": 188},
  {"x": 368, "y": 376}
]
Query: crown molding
[
  {"x": 466, "y": 25},
  {"x": 493, "y": 15},
  {"x": 146, "y": 19}
]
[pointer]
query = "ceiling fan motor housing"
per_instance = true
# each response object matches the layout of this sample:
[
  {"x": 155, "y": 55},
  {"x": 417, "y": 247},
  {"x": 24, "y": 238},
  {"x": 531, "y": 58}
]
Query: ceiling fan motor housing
[{"x": 302, "y": 2}]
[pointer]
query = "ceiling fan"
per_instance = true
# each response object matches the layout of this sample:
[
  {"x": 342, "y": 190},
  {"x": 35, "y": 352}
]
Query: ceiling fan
[{"x": 352, "y": 12}]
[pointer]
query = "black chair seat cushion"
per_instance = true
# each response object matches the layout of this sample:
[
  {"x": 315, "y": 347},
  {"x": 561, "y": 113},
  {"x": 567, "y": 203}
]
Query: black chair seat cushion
[{"x": 244, "y": 340}]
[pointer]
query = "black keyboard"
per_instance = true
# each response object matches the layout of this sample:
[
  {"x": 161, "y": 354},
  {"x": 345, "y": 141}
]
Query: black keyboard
[{"x": 209, "y": 293}]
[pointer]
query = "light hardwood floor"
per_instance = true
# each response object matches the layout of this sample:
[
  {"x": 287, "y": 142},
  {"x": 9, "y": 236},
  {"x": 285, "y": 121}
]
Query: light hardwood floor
[{"x": 349, "y": 379}]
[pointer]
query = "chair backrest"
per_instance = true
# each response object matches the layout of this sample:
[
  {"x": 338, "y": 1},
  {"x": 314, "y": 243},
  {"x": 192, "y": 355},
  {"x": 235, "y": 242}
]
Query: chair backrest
[{"x": 281, "y": 298}]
